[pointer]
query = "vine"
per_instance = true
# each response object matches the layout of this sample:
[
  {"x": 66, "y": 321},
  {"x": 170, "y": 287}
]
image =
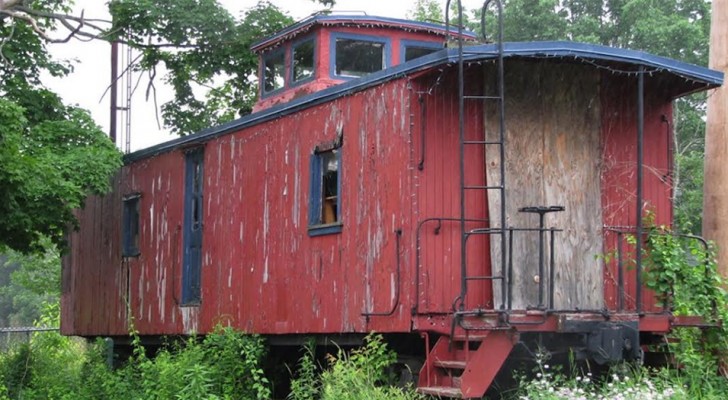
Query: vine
[{"x": 682, "y": 271}]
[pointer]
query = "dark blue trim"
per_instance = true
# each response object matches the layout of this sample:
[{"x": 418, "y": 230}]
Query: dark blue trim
[
  {"x": 339, "y": 174},
  {"x": 315, "y": 200},
  {"x": 321, "y": 230},
  {"x": 192, "y": 234},
  {"x": 395, "y": 23},
  {"x": 286, "y": 67},
  {"x": 314, "y": 194},
  {"x": 387, "y": 42},
  {"x": 311, "y": 38},
  {"x": 404, "y": 44},
  {"x": 704, "y": 78}
]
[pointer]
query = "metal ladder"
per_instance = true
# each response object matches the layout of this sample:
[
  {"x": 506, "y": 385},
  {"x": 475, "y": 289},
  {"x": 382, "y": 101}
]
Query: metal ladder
[{"x": 496, "y": 225}]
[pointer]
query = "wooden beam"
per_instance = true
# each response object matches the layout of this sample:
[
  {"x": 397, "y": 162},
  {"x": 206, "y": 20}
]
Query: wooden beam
[{"x": 715, "y": 201}]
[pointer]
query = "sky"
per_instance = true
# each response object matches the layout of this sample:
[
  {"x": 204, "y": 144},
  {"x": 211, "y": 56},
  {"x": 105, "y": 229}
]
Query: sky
[{"x": 87, "y": 85}]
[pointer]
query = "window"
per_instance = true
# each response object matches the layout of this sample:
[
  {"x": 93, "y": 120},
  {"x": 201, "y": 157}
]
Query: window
[
  {"x": 303, "y": 60},
  {"x": 412, "y": 52},
  {"x": 130, "y": 235},
  {"x": 414, "y": 49},
  {"x": 274, "y": 71},
  {"x": 356, "y": 55},
  {"x": 325, "y": 199}
]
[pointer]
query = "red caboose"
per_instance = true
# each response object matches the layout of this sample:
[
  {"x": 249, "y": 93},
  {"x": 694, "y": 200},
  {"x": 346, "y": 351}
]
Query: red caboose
[{"x": 456, "y": 200}]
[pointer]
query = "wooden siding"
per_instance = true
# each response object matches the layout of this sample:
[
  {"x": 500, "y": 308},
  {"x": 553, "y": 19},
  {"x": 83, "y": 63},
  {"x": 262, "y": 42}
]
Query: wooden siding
[
  {"x": 571, "y": 140},
  {"x": 93, "y": 289},
  {"x": 261, "y": 271},
  {"x": 619, "y": 177},
  {"x": 438, "y": 196}
]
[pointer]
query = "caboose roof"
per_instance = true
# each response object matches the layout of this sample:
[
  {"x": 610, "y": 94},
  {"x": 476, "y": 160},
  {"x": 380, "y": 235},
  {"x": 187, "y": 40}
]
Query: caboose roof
[
  {"x": 306, "y": 24},
  {"x": 685, "y": 78}
]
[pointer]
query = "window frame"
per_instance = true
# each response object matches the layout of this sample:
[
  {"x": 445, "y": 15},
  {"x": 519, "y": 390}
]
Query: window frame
[
  {"x": 387, "y": 61},
  {"x": 131, "y": 218},
  {"x": 265, "y": 57},
  {"x": 404, "y": 44},
  {"x": 316, "y": 227},
  {"x": 291, "y": 77}
]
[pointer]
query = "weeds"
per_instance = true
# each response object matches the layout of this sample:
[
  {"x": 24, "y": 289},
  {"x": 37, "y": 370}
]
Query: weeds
[{"x": 223, "y": 365}]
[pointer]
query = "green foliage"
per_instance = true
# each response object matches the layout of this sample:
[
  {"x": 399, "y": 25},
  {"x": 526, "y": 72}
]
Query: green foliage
[
  {"x": 51, "y": 155},
  {"x": 683, "y": 273},
  {"x": 305, "y": 385},
  {"x": 363, "y": 374},
  {"x": 201, "y": 46},
  {"x": 223, "y": 365},
  {"x": 48, "y": 367},
  {"x": 48, "y": 169},
  {"x": 530, "y": 20},
  {"x": 625, "y": 383},
  {"x": 33, "y": 280},
  {"x": 426, "y": 10}
]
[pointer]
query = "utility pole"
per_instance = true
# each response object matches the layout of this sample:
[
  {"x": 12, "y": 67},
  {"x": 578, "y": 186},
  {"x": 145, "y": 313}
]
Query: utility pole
[{"x": 715, "y": 190}]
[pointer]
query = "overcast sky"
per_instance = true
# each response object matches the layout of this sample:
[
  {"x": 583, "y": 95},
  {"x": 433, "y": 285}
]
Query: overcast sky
[{"x": 86, "y": 85}]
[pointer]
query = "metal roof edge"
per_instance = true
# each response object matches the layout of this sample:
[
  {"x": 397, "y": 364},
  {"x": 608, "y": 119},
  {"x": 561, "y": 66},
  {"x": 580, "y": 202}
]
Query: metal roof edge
[
  {"x": 599, "y": 52},
  {"x": 696, "y": 73},
  {"x": 344, "y": 18}
]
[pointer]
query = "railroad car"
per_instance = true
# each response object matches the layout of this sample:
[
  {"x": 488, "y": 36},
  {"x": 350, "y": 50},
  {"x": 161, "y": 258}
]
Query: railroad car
[{"x": 459, "y": 199}]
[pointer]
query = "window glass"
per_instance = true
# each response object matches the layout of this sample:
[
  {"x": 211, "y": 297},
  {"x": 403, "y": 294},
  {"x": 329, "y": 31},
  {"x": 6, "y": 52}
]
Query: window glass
[
  {"x": 329, "y": 187},
  {"x": 325, "y": 202},
  {"x": 303, "y": 60},
  {"x": 274, "y": 70},
  {"x": 358, "y": 57},
  {"x": 130, "y": 235},
  {"x": 412, "y": 52}
]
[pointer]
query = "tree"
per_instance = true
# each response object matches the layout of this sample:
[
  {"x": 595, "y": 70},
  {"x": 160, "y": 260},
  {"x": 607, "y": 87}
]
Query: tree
[
  {"x": 51, "y": 155},
  {"x": 427, "y": 10},
  {"x": 28, "y": 283},
  {"x": 204, "y": 49},
  {"x": 200, "y": 45}
]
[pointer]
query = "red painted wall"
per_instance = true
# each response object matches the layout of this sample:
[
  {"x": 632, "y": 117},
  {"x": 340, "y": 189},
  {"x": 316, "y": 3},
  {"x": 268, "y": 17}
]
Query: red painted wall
[
  {"x": 261, "y": 271},
  {"x": 438, "y": 195},
  {"x": 619, "y": 177}
]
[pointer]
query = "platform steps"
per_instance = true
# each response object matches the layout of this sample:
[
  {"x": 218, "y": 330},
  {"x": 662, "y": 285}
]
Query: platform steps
[{"x": 464, "y": 367}]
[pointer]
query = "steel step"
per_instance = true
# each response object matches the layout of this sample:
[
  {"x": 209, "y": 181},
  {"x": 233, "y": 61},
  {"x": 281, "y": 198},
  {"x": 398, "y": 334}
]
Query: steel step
[
  {"x": 441, "y": 391},
  {"x": 450, "y": 364}
]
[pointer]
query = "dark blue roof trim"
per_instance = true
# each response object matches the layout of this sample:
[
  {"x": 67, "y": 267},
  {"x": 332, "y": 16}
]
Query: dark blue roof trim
[
  {"x": 705, "y": 77},
  {"x": 333, "y": 19}
]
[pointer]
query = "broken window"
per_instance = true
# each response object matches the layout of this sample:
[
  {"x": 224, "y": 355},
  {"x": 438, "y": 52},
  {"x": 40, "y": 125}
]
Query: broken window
[
  {"x": 303, "y": 60},
  {"x": 130, "y": 226},
  {"x": 274, "y": 71},
  {"x": 357, "y": 57},
  {"x": 325, "y": 205}
]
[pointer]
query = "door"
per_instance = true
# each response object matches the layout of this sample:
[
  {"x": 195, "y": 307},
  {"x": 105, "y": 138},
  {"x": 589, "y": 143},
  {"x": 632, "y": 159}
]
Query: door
[{"x": 192, "y": 262}]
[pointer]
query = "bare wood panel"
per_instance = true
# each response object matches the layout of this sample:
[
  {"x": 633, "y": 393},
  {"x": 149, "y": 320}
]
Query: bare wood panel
[{"x": 552, "y": 158}]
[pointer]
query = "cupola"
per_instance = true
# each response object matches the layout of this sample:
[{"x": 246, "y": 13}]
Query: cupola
[{"x": 324, "y": 50}]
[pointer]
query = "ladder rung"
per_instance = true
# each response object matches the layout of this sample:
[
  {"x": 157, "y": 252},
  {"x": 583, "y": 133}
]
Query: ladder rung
[
  {"x": 483, "y": 278},
  {"x": 483, "y": 97},
  {"x": 482, "y": 187},
  {"x": 482, "y": 142},
  {"x": 486, "y": 231}
]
